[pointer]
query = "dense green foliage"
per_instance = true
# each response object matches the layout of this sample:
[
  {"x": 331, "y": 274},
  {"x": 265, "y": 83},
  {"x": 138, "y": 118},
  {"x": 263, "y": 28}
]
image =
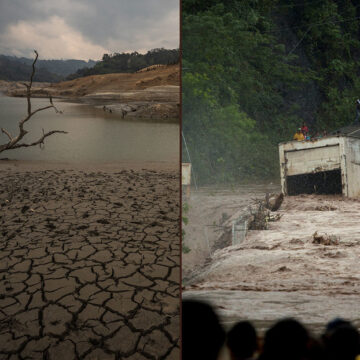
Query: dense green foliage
[
  {"x": 18, "y": 69},
  {"x": 129, "y": 62},
  {"x": 254, "y": 70}
]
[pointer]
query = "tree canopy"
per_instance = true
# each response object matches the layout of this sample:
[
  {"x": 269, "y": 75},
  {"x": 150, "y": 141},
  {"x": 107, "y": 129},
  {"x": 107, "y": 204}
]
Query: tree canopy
[
  {"x": 254, "y": 70},
  {"x": 129, "y": 62}
]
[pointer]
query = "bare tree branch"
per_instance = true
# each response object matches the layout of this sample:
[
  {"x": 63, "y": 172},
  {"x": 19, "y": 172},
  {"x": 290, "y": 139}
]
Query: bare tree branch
[
  {"x": 41, "y": 140},
  {"x": 28, "y": 87},
  {"x": 33, "y": 67},
  {"x": 14, "y": 142},
  {"x": 41, "y": 109},
  {"x": 7, "y": 133}
]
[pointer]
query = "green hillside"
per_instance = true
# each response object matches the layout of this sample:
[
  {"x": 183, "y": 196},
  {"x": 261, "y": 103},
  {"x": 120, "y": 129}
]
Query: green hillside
[{"x": 254, "y": 70}]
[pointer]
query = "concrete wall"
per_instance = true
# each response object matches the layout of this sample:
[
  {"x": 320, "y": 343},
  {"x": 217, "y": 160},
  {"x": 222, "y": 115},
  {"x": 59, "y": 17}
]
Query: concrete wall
[
  {"x": 352, "y": 153},
  {"x": 305, "y": 157},
  {"x": 313, "y": 160},
  {"x": 325, "y": 154}
]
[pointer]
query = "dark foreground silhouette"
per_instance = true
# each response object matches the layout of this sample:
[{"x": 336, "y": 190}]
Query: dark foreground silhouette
[{"x": 203, "y": 337}]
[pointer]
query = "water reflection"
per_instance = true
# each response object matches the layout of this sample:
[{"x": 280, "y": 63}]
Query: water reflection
[{"x": 93, "y": 135}]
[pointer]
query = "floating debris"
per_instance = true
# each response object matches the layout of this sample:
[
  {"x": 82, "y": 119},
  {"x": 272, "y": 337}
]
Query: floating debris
[{"x": 325, "y": 239}]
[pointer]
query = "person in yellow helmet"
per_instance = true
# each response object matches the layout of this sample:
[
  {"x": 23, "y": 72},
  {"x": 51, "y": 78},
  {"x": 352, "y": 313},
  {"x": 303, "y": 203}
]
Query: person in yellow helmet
[{"x": 299, "y": 136}]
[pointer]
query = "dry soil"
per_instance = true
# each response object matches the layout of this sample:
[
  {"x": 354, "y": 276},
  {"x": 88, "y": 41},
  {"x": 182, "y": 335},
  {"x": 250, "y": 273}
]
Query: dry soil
[
  {"x": 147, "y": 94},
  {"x": 89, "y": 261}
]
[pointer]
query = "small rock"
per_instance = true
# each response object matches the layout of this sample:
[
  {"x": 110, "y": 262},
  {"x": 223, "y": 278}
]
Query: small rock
[
  {"x": 50, "y": 226},
  {"x": 25, "y": 208},
  {"x": 103, "y": 221}
]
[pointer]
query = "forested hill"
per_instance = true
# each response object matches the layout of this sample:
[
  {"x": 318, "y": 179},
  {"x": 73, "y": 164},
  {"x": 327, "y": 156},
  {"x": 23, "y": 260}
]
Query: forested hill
[
  {"x": 17, "y": 69},
  {"x": 129, "y": 62},
  {"x": 254, "y": 70},
  {"x": 14, "y": 70}
]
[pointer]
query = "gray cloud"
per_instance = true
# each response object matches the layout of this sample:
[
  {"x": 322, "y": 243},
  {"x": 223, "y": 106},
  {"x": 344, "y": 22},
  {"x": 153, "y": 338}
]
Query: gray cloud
[{"x": 86, "y": 28}]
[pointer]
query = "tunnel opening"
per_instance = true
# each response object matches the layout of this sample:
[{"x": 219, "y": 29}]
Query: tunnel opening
[{"x": 325, "y": 182}]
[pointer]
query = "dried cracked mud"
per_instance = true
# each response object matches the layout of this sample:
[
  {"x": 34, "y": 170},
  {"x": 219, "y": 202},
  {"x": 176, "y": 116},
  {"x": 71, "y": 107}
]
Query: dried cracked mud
[{"x": 89, "y": 264}]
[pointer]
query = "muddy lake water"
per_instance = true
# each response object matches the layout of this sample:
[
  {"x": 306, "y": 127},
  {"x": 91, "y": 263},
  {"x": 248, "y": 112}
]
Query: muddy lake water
[{"x": 93, "y": 135}]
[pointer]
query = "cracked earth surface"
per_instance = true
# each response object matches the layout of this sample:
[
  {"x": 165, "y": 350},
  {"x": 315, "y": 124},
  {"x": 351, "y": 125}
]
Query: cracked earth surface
[{"x": 89, "y": 264}]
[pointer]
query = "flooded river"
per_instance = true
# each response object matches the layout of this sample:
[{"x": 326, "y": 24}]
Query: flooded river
[
  {"x": 93, "y": 135},
  {"x": 278, "y": 272}
]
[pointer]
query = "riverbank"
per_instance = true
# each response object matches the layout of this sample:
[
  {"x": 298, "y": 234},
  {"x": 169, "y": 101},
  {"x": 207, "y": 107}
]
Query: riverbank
[
  {"x": 89, "y": 260},
  {"x": 147, "y": 94},
  {"x": 208, "y": 208},
  {"x": 281, "y": 272}
]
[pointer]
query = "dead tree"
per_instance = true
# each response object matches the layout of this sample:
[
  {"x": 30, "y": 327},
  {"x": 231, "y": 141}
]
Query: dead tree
[{"x": 14, "y": 142}]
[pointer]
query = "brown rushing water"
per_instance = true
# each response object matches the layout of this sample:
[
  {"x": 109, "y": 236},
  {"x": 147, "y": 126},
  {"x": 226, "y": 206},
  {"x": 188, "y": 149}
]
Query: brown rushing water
[{"x": 279, "y": 272}]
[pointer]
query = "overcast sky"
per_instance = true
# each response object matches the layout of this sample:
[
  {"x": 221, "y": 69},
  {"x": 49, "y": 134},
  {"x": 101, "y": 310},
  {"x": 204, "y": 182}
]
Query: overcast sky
[{"x": 86, "y": 29}]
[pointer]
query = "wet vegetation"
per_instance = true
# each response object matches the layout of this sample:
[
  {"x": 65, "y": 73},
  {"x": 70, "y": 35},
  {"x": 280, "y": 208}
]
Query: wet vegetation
[{"x": 265, "y": 66}]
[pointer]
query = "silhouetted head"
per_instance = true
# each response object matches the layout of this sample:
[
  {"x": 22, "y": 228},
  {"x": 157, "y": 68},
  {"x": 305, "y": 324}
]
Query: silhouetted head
[
  {"x": 341, "y": 340},
  {"x": 242, "y": 340},
  {"x": 287, "y": 339},
  {"x": 335, "y": 323},
  {"x": 202, "y": 334}
]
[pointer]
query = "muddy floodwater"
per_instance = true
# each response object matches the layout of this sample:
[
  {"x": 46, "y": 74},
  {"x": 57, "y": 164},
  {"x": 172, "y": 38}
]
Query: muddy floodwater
[
  {"x": 93, "y": 135},
  {"x": 278, "y": 272}
]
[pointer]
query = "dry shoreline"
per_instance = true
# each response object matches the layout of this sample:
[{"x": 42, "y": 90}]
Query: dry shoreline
[
  {"x": 89, "y": 260},
  {"x": 38, "y": 165},
  {"x": 148, "y": 94}
]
